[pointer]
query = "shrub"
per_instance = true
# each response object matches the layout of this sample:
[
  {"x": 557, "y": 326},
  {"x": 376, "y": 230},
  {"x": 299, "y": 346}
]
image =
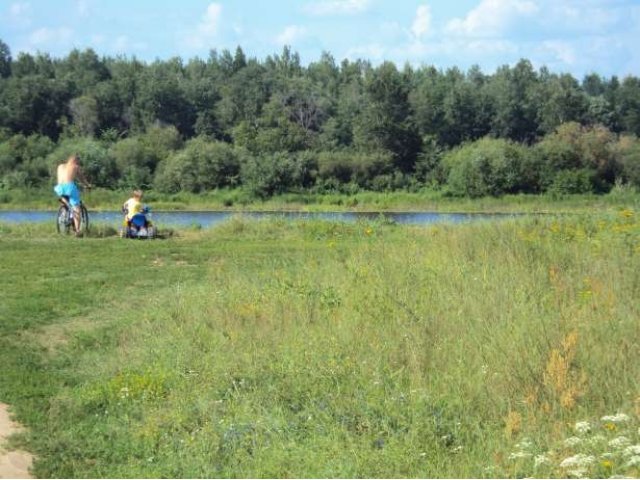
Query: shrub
[
  {"x": 628, "y": 152},
  {"x": 573, "y": 181},
  {"x": 574, "y": 147},
  {"x": 490, "y": 167},
  {"x": 95, "y": 160},
  {"x": 345, "y": 166},
  {"x": 202, "y": 165}
]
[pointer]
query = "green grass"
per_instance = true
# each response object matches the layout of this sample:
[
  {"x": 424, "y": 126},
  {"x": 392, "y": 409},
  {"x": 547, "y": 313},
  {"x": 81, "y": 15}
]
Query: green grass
[
  {"x": 316, "y": 349},
  {"x": 426, "y": 200}
]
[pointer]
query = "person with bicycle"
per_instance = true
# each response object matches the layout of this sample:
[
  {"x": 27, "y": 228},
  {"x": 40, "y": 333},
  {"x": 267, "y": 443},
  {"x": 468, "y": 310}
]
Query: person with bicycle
[{"x": 67, "y": 189}]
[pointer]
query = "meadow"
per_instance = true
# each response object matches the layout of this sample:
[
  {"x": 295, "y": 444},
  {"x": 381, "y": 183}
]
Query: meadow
[{"x": 317, "y": 349}]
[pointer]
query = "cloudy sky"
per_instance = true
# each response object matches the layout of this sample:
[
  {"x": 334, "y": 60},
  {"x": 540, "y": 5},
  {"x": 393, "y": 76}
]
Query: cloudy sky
[{"x": 575, "y": 36}]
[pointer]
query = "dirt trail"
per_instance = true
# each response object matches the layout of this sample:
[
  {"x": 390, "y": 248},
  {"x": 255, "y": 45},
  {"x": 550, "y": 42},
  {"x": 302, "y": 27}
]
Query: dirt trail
[{"x": 13, "y": 464}]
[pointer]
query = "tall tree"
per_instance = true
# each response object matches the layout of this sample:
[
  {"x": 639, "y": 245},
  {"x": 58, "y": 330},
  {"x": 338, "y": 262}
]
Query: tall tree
[{"x": 5, "y": 60}]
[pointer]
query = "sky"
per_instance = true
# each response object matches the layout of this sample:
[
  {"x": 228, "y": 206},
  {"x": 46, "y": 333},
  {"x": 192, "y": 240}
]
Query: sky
[{"x": 573, "y": 36}]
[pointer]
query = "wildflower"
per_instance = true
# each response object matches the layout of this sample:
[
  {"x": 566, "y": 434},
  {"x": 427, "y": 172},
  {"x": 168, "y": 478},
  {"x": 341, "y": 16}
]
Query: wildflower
[
  {"x": 582, "y": 427},
  {"x": 619, "y": 442},
  {"x": 632, "y": 450},
  {"x": 524, "y": 444},
  {"x": 599, "y": 438},
  {"x": 540, "y": 460},
  {"x": 618, "y": 418},
  {"x": 577, "y": 473},
  {"x": 580, "y": 460},
  {"x": 457, "y": 449},
  {"x": 572, "y": 442},
  {"x": 606, "y": 463},
  {"x": 633, "y": 462},
  {"x": 610, "y": 426},
  {"x": 627, "y": 213},
  {"x": 368, "y": 231}
]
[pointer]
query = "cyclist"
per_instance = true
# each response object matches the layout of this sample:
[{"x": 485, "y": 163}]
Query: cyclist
[{"x": 67, "y": 173}]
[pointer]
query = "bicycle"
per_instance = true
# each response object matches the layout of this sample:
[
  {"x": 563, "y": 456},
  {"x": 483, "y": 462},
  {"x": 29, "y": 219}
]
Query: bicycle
[{"x": 64, "y": 219}]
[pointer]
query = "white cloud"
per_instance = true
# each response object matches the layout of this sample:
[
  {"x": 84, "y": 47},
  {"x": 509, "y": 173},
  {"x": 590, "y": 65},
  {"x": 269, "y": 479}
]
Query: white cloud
[
  {"x": 82, "y": 7},
  {"x": 49, "y": 36},
  {"x": 422, "y": 23},
  {"x": 562, "y": 51},
  {"x": 19, "y": 9},
  {"x": 337, "y": 7},
  {"x": 290, "y": 34},
  {"x": 97, "y": 39},
  {"x": 372, "y": 51},
  {"x": 208, "y": 27},
  {"x": 491, "y": 17},
  {"x": 20, "y": 13},
  {"x": 123, "y": 44}
]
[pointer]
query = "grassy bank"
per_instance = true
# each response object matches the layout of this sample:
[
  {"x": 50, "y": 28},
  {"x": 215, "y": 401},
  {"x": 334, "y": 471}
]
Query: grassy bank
[
  {"x": 314, "y": 349},
  {"x": 238, "y": 200}
]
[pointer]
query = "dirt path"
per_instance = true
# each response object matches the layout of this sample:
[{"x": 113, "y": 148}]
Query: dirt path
[{"x": 13, "y": 464}]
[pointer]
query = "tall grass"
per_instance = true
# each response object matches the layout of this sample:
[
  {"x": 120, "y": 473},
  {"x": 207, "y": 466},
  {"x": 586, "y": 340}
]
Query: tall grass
[
  {"x": 315, "y": 349},
  {"x": 240, "y": 200}
]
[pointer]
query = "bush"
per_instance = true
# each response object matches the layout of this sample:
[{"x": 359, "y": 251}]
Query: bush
[
  {"x": 628, "y": 152},
  {"x": 268, "y": 175},
  {"x": 202, "y": 165},
  {"x": 22, "y": 160},
  {"x": 574, "y": 147},
  {"x": 95, "y": 160},
  {"x": 490, "y": 167},
  {"x": 573, "y": 181},
  {"x": 362, "y": 169}
]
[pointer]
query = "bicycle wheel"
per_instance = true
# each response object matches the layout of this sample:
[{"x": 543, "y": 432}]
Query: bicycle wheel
[
  {"x": 63, "y": 220},
  {"x": 84, "y": 219}
]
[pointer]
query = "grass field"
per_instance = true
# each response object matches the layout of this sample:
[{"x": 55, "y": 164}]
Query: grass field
[
  {"x": 315, "y": 349},
  {"x": 425, "y": 200}
]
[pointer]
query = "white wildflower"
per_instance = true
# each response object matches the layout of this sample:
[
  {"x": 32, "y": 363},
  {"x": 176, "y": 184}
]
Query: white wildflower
[
  {"x": 633, "y": 461},
  {"x": 457, "y": 449},
  {"x": 617, "y": 418},
  {"x": 572, "y": 441},
  {"x": 607, "y": 455},
  {"x": 632, "y": 450},
  {"x": 596, "y": 439},
  {"x": 519, "y": 455},
  {"x": 577, "y": 473},
  {"x": 580, "y": 460},
  {"x": 524, "y": 444},
  {"x": 540, "y": 460},
  {"x": 582, "y": 427},
  {"x": 619, "y": 442}
]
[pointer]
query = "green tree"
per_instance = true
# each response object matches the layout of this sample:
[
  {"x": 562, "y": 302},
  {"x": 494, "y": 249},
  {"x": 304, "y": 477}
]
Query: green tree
[
  {"x": 202, "y": 165},
  {"x": 5, "y": 60},
  {"x": 385, "y": 122},
  {"x": 84, "y": 112}
]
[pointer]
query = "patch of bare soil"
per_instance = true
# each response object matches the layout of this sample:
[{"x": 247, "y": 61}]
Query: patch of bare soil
[{"x": 13, "y": 463}]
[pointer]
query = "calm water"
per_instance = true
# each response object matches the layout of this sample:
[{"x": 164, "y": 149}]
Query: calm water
[{"x": 208, "y": 219}]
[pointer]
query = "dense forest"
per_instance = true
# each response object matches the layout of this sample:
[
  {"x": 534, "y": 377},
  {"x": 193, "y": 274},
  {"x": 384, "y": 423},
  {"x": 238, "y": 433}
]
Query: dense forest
[{"x": 274, "y": 125}]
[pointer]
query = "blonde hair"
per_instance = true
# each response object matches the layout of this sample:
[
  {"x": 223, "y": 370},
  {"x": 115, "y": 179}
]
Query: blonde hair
[{"x": 137, "y": 194}]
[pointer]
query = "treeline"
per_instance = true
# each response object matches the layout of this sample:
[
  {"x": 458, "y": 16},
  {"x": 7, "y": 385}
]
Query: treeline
[{"x": 275, "y": 125}]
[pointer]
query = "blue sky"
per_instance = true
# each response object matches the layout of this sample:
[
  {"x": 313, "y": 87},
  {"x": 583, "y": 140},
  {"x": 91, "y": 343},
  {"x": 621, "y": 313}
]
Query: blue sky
[{"x": 575, "y": 36}]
